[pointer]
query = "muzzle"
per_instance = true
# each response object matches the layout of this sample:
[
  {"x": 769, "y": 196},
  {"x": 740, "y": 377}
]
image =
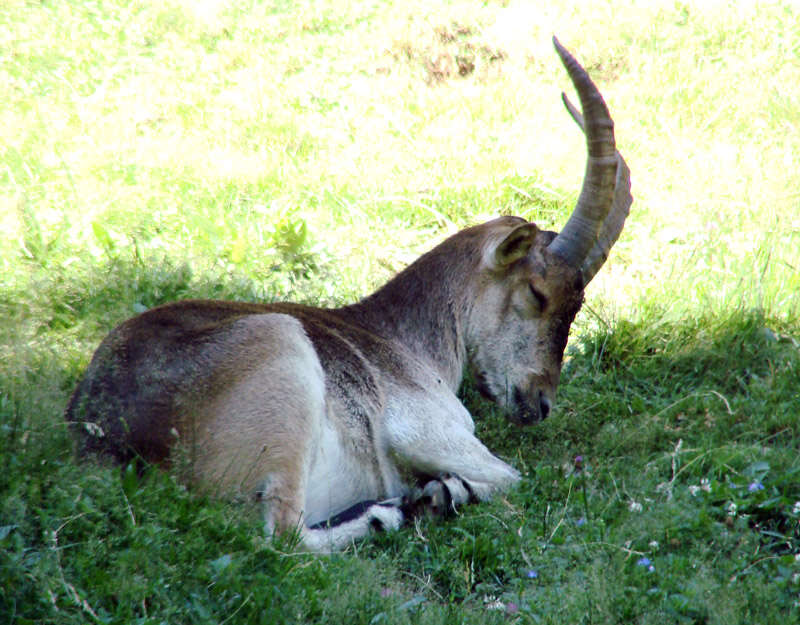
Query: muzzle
[{"x": 526, "y": 410}]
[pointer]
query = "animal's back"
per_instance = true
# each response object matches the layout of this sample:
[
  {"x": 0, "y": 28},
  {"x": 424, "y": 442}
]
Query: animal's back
[
  {"x": 155, "y": 371},
  {"x": 150, "y": 369}
]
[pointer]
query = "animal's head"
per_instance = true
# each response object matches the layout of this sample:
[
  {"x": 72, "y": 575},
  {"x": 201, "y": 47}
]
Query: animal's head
[{"x": 530, "y": 284}]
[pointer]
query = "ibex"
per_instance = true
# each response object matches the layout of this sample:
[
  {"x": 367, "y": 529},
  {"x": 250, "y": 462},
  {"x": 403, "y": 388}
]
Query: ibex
[{"x": 343, "y": 420}]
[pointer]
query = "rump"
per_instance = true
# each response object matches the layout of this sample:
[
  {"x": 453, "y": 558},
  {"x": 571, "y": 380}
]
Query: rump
[{"x": 154, "y": 375}]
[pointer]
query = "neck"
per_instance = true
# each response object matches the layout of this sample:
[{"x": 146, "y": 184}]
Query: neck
[{"x": 424, "y": 308}]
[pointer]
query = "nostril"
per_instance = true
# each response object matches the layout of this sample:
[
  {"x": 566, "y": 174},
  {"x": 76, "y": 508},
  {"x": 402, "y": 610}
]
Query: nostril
[{"x": 544, "y": 405}]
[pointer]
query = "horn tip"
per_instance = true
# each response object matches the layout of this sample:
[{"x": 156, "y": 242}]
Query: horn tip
[{"x": 562, "y": 51}]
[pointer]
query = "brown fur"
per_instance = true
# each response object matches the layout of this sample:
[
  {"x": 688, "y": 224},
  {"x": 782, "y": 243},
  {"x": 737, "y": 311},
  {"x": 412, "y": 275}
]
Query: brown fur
[{"x": 227, "y": 383}]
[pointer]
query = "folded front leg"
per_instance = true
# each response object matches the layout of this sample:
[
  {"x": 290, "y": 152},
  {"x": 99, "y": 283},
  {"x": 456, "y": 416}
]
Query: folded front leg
[
  {"x": 442, "y": 445},
  {"x": 439, "y": 497}
]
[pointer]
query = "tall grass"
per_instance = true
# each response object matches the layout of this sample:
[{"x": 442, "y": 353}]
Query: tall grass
[{"x": 152, "y": 151}]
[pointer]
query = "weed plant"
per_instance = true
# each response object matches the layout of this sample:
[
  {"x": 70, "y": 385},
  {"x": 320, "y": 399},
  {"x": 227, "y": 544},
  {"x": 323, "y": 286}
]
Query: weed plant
[{"x": 154, "y": 151}]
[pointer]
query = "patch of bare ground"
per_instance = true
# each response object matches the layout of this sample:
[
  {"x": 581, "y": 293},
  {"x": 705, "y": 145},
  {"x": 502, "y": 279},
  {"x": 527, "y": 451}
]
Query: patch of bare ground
[{"x": 447, "y": 52}]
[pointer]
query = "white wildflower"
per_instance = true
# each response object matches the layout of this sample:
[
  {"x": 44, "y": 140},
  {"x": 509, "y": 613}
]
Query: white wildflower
[
  {"x": 694, "y": 490},
  {"x": 93, "y": 429},
  {"x": 653, "y": 544},
  {"x": 705, "y": 485},
  {"x": 731, "y": 509},
  {"x": 796, "y": 509},
  {"x": 634, "y": 506}
]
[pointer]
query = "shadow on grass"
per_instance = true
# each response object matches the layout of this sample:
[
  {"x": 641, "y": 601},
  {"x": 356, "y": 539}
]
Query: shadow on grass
[{"x": 81, "y": 541}]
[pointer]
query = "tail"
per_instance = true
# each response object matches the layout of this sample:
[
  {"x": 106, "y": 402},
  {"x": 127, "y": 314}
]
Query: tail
[{"x": 91, "y": 426}]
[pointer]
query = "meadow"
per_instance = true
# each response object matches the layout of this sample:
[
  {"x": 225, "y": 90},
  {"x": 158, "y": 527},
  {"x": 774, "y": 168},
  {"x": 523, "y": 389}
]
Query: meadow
[{"x": 273, "y": 150}]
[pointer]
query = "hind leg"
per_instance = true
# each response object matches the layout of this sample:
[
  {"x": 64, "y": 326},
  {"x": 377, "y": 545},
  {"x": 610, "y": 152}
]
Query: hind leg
[
  {"x": 254, "y": 435},
  {"x": 284, "y": 498},
  {"x": 376, "y": 517},
  {"x": 257, "y": 435},
  {"x": 282, "y": 512}
]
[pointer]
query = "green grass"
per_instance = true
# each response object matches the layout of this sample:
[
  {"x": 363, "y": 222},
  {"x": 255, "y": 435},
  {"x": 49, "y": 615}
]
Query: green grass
[{"x": 154, "y": 151}]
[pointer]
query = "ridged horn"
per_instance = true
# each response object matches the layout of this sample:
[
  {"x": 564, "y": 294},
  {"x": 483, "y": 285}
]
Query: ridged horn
[
  {"x": 580, "y": 234},
  {"x": 615, "y": 220}
]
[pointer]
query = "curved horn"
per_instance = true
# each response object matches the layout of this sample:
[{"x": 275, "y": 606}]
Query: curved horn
[
  {"x": 620, "y": 207},
  {"x": 580, "y": 233}
]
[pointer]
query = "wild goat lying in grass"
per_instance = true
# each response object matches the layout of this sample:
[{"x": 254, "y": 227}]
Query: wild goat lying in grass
[{"x": 346, "y": 419}]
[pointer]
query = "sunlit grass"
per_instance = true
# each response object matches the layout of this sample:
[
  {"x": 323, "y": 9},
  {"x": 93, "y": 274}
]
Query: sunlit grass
[{"x": 331, "y": 109}]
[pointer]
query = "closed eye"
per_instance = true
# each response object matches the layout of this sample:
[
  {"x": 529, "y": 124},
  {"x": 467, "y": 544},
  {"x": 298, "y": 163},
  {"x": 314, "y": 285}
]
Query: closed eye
[{"x": 541, "y": 300}]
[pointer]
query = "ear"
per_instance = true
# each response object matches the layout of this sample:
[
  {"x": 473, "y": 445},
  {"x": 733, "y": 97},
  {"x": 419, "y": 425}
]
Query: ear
[{"x": 516, "y": 245}]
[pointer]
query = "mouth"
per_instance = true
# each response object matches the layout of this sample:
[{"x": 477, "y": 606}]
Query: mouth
[
  {"x": 523, "y": 418},
  {"x": 521, "y": 409},
  {"x": 527, "y": 412}
]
